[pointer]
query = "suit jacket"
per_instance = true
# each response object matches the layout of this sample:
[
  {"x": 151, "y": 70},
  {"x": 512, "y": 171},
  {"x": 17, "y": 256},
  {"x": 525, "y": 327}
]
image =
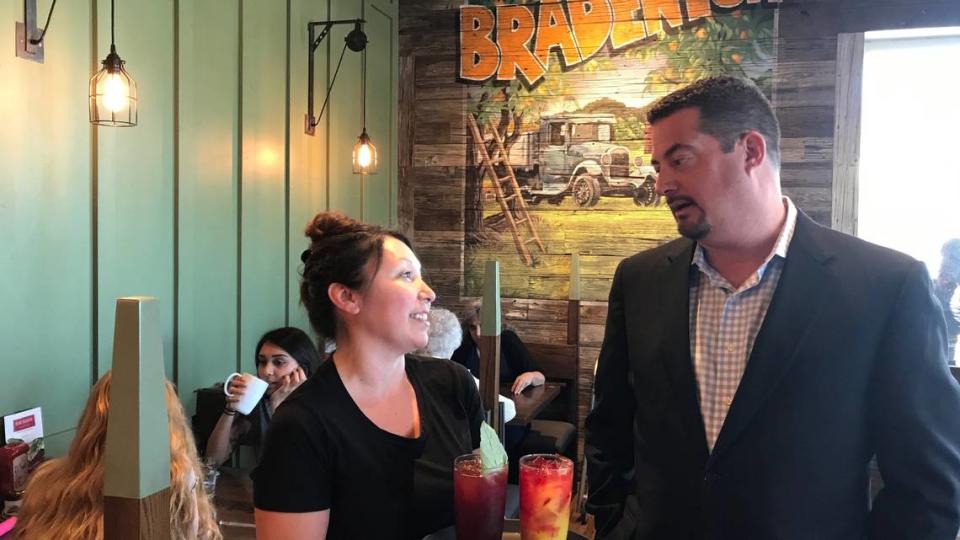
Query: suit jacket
[{"x": 848, "y": 364}]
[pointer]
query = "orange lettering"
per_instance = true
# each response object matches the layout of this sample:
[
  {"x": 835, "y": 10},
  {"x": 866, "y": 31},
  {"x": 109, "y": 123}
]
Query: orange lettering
[
  {"x": 591, "y": 25},
  {"x": 479, "y": 56},
  {"x": 627, "y": 27},
  {"x": 515, "y": 26},
  {"x": 551, "y": 34},
  {"x": 664, "y": 14},
  {"x": 697, "y": 9}
]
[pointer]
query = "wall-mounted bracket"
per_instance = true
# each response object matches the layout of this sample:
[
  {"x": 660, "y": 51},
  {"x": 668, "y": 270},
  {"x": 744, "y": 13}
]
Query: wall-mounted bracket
[{"x": 27, "y": 32}]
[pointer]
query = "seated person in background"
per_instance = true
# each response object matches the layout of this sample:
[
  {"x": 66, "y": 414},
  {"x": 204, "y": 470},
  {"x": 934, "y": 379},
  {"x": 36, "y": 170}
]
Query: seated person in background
[
  {"x": 64, "y": 497},
  {"x": 444, "y": 335},
  {"x": 444, "y": 338},
  {"x": 945, "y": 289},
  {"x": 285, "y": 357},
  {"x": 364, "y": 449},
  {"x": 516, "y": 364}
]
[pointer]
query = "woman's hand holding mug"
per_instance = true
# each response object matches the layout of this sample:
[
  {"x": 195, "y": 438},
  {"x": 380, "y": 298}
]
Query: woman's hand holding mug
[{"x": 243, "y": 391}]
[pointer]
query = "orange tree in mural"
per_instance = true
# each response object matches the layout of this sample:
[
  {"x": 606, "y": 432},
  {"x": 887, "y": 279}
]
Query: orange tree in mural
[{"x": 740, "y": 43}]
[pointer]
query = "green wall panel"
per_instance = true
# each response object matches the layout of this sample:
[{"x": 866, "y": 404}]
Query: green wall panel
[
  {"x": 379, "y": 190},
  {"x": 57, "y": 444},
  {"x": 45, "y": 218},
  {"x": 208, "y": 192},
  {"x": 345, "y": 121},
  {"x": 135, "y": 234},
  {"x": 263, "y": 277},
  {"x": 201, "y": 205},
  {"x": 307, "y": 154}
]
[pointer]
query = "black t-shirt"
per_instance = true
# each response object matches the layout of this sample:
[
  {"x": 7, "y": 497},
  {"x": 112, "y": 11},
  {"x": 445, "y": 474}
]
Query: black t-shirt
[{"x": 322, "y": 452}]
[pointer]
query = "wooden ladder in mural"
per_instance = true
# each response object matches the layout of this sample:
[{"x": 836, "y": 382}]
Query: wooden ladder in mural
[{"x": 507, "y": 190}]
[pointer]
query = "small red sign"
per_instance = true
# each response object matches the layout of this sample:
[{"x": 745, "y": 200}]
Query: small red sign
[{"x": 24, "y": 423}]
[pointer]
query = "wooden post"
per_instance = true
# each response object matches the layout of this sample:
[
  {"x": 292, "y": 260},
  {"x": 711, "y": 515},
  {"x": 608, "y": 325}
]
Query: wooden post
[
  {"x": 136, "y": 477},
  {"x": 490, "y": 346},
  {"x": 846, "y": 132},
  {"x": 573, "y": 338},
  {"x": 573, "y": 304}
]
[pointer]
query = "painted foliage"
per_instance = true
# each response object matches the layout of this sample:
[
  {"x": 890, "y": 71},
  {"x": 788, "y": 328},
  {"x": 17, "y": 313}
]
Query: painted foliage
[{"x": 558, "y": 159}]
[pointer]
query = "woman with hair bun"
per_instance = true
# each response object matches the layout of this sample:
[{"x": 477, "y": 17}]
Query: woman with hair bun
[{"x": 365, "y": 447}]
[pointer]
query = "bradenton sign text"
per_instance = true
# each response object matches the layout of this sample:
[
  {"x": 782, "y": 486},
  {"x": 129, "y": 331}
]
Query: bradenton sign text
[{"x": 506, "y": 40}]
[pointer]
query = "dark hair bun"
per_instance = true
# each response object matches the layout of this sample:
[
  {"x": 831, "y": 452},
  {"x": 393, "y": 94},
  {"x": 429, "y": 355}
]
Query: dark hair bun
[
  {"x": 326, "y": 225},
  {"x": 340, "y": 249}
]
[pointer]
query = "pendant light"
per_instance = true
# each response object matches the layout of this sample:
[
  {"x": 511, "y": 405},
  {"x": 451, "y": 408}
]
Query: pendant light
[
  {"x": 364, "y": 152},
  {"x": 113, "y": 93}
]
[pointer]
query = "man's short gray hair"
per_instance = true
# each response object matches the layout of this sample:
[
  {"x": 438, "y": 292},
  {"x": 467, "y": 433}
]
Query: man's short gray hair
[{"x": 445, "y": 334}]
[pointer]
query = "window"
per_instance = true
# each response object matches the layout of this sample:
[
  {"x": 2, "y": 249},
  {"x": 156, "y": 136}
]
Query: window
[
  {"x": 909, "y": 172},
  {"x": 556, "y": 134}
]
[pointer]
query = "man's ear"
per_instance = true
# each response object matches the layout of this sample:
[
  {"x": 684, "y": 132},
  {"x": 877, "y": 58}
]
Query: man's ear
[
  {"x": 344, "y": 298},
  {"x": 754, "y": 148}
]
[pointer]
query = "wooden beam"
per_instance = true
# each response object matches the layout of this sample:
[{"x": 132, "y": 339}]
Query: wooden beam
[
  {"x": 136, "y": 478},
  {"x": 145, "y": 519},
  {"x": 573, "y": 322},
  {"x": 490, "y": 346},
  {"x": 846, "y": 138}
]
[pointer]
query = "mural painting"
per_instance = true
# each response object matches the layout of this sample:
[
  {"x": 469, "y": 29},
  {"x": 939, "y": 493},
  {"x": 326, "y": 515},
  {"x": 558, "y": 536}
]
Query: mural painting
[{"x": 559, "y": 158}]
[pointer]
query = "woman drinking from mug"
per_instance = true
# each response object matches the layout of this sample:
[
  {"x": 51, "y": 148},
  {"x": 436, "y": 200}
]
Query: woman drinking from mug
[
  {"x": 285, "y": 357},
  {"x": 365, "y": 447}
]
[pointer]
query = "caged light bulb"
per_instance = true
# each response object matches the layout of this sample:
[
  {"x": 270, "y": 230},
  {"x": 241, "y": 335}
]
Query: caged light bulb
[{"x": 116, "y": 93}]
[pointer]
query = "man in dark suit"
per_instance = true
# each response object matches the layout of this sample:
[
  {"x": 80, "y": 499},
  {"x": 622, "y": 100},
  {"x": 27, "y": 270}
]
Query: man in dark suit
[{"x": 751, "y": 369}]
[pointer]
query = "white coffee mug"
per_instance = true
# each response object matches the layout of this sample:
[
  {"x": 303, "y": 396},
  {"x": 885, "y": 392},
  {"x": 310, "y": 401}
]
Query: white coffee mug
[{"x": 255, "y": 389}]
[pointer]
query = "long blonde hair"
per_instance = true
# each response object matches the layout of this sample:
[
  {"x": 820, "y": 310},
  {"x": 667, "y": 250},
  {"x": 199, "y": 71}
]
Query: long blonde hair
[{"x": 64, "y": 498}]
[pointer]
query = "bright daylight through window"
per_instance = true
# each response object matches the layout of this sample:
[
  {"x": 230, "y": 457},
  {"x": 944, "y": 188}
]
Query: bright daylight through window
[{"x": 909, "y": 180}]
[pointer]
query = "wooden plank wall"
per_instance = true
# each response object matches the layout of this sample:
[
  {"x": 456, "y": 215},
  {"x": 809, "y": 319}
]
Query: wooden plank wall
[{"x": 433, "y": 144}]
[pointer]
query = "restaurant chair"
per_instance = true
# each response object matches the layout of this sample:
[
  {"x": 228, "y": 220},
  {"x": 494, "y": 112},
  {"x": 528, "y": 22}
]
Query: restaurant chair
[
  {"x": 553, "y": 430},
  {"x": 546, "y": 434},
  {"x": 210, "y": 403}
]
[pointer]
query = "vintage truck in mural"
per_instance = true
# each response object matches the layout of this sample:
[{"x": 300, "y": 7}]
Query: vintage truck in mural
[{"x": 574, "y": 154}]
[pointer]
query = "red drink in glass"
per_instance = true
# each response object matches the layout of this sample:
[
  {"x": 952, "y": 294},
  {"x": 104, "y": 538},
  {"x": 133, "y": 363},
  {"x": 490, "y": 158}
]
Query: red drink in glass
[
  {"x": 478, "y": 498},
  {"x": 546, "y": 483}
]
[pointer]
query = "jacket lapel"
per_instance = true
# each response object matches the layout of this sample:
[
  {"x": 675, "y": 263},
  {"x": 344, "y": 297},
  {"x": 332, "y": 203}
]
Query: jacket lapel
[
  {"x": 798, "y": 298},
  {"x": 675, "y": 305}
]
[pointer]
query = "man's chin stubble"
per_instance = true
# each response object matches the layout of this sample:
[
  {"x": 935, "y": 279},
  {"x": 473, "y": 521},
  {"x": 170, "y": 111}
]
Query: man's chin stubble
[{"x": 696, "y": 232}]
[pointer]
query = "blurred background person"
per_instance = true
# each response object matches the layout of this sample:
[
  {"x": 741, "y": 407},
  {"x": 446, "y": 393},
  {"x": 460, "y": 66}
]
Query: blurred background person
[
  {"x": 284, "y": 357},
  {"x": 64, "y": 497},
  {"x": 945, "y": 289},
  {"x": 444, "y": 337},
  {"x": 518, "y": 369},
  {"x": 516, "y": 364}
]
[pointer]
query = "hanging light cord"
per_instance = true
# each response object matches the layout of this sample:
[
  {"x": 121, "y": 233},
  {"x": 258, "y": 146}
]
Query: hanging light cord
[
  {"x": 112, "y": 25},
  {"x": 329, "y": 88},
  {"x": 363, "y": 76},
  {"x": 45, "y": 26},
  {"x": 363, "y": 89}
]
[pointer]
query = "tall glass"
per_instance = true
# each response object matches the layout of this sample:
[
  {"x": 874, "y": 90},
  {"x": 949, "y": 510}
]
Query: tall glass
[
  {"x": 546, "y": 484},
  {"x": 478, "y": 498},
  {"x": 209, "y": 470}
]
